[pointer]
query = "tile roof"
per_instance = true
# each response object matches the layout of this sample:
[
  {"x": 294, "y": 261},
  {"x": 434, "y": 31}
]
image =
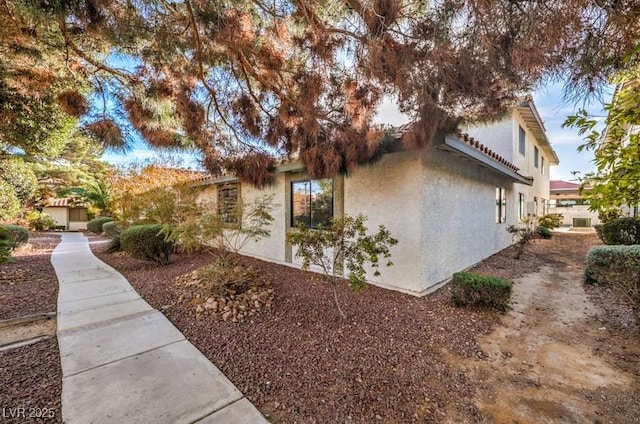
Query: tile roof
[
  {"x": 486, "y": 151},
  {"x": 563, "y": 185}
]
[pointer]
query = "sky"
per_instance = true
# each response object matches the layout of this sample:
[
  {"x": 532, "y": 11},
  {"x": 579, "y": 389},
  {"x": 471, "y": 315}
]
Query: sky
[{"x": 548, "y": 99}]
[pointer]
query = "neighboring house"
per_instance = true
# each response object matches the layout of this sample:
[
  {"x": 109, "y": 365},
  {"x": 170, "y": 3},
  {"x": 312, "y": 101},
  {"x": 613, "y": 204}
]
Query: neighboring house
[
  {"x": 566, "y": 200},
  {"x": 449, "y": 204},
  {"x": 67, "y": 214}
]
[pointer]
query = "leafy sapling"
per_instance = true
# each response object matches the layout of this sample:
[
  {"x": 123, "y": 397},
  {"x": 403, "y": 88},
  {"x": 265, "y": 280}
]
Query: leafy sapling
[{"x": 343, "y": 245}]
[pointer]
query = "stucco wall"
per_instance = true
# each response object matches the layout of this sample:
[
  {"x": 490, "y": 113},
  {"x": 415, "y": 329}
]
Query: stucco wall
[
  {"x": 459, "y": 216},
  {"x": 496, "y": 135},
  {"x": 389, "y": 194},
  {"x": 59, "y": 215},
  {"x": 77, "y": 225}
]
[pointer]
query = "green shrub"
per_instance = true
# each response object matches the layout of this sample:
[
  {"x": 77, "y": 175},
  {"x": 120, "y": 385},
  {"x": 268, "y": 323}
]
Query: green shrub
[
  {"x": 598, "y": 228},
  {"x": 5, "y": 245},
  {"x": 550, "y": 221},
  {"x": 146, "y": 242},
  {"x": 619, "y": 268},
  {"x": 544, "y": 232},
  {"x": 113, "y": 231},
  {"x": 621, "y": 231},
  {"x": 468, "y": 288},
  {"x": 95, "y": 225},
  {"x": 17, "y": 235},
  {"x": 609, "y": 214},
  {"x": 39, "y": 221}
]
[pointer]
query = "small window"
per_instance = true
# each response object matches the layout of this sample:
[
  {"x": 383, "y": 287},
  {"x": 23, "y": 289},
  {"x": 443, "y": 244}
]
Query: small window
[
  {"x": 542, "y": 165},
  {"x": 228, "y": 196},
  {"x": 312, "y": 203},
  {"x": 536, "y": 155},
  {"x": 521, "y": 207},
  {"x": 78, "y": 215},
  {"x": 522, "y": 141},
  {"x": 501, "y": 205}
]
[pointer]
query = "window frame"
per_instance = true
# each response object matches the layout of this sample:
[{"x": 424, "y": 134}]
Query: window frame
[
  {"x": 221, "y": 188},
  {"x": 501, "y": 205},
  {"x": 79, "y": 210},
  {"x": 541, "y": 165},
  {"x": 292, "y": 221},
  {"x": 536, "y": 156},
  {"x": 522, "y": 207},
  {"x": 522, "y": 141}
]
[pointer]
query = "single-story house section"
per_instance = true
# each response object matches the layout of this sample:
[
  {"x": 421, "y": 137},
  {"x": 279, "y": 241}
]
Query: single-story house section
[
  {"x": 67, "y": 215},
  {"x": 567, "y": 200},
  {"x": 449, "y": 204}
]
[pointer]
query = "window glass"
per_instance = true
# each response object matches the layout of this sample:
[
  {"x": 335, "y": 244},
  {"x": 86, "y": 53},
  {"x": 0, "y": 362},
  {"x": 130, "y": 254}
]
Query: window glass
[
  {"x": 228, "y": 203},
  {"x": 312, "y": 203},
  {"x": 521, "y": 206},
  {"x": 535, "y": 156},
  {"x": 78, "y": 214},
  {"x": 522, "y": 141},
  {"x": 501, "y": 205}
]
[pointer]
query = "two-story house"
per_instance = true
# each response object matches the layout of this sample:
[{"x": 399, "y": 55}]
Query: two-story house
[{"x": 448, "y": 204}]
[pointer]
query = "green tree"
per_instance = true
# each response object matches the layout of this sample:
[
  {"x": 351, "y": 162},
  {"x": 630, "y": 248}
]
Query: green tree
[
  {"x": 9, "y": 202},
  {"x": 616, "y": 181},
  {"x": 343, "y": 244},
  {"x": 19, "y": 175}
]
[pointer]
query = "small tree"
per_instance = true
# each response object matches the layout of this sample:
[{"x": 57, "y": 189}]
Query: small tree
[
  {"x": 525, "y": 235},
  {"x": 343, "y": 244}
]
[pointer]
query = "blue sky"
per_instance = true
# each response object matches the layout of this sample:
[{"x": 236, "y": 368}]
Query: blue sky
[{"x": 549, "y": 101}]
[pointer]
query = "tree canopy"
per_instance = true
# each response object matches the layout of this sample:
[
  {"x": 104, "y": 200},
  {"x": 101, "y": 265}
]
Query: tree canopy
[
  {"x": 249, "y": 81},
  {"x": 616, "y": 180}
]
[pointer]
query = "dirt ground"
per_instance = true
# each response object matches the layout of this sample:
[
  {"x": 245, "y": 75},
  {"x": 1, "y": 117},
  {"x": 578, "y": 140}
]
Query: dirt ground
[{"x": 565, "y": 353}]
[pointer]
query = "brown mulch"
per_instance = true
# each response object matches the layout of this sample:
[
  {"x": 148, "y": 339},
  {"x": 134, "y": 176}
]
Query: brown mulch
[
  {"x": 395, "y": 359},
  {"x": 28, "y": 284},
  {"x": 31, "y": 375},
  {"x": 32, "y": 380},
  {"x": 300, "y": 362}
]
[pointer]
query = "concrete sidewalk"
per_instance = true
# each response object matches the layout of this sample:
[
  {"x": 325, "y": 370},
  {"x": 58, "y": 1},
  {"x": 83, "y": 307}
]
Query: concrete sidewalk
[{"x": 123, "y": 361}]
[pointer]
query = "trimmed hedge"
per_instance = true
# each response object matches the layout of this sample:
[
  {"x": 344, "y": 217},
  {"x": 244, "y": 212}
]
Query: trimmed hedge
[
  {"x": 146, "y": 242},
  {"x": 5, "y": 245},
  {"x": 95, "y": 225},
  {"x": 605, "y": 263},
  {"x": 468, "y": 288},
  {"x": 618, "y": 267},
  {"x": 17, "y": 235},
  {"x": 620, "y": 231},
  {"x": 114, "y": 232},
  {"x": 544, "y": 232}
]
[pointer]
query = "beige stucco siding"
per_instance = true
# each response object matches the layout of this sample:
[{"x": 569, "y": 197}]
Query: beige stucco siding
[
  {"x": 59, "y": 215},
  {"x": 459, "y": 216},
  {"x": 389, "y": 194}
]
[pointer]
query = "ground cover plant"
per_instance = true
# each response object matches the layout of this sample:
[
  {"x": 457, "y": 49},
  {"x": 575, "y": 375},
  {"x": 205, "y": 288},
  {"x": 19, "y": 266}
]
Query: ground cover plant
[
  {"x": 147, "y": 242},
  {"x": 617, "y": 267},
  {"x": 468, "y": 288}
]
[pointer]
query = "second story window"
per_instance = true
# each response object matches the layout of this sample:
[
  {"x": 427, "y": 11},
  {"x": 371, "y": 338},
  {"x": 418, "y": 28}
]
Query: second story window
[
  {"x": 521, "y": 141},
  {"x": 536, "y": 155},
  {"x": 542, "y": 165}
]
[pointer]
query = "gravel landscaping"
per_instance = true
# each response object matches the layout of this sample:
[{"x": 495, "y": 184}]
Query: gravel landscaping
[
  {"x": 31, "y": 374},
  {"x": 300, "y": 362},
  {"x": 396, "y": 358}
]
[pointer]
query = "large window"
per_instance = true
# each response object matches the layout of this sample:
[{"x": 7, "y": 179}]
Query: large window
[
  {"x": 312, "y": 203},
  {"x": 536, "y": 155},
  {"x": 501, "y": 205},
  {"x": 228, "y": 196},
  {"x": 522, "y": 141}
]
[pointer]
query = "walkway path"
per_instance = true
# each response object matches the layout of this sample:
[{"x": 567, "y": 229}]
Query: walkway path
[{"x": 123, "y": 361}]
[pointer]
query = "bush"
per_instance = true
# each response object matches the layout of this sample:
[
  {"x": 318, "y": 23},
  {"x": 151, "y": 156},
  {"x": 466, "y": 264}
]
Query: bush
[
  {"x": 621, "y": 231},
  {"x": 39, "y": 221},
  {"x": 16, "y": 235},
  {"x": 550, "y": 221},
  {"x": 146, "y": 242},
  {"x": 619, "y": 268},
  {"x": 468, "y": 288},
  {"x": 226, "y": 276},
  {"x": 95, "y": 225},
  {"x": 114, "y": 232},
  {"x": 5, "y": 245},
  {"x": 544, "y": 232},
  {"x": 609, "y": 214}
]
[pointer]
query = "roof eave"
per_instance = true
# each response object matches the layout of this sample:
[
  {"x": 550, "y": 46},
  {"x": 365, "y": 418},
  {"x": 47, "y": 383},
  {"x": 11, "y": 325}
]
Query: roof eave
[
  {"x": 531, "y": 116},
  {"x": 452, "y": 143}
]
